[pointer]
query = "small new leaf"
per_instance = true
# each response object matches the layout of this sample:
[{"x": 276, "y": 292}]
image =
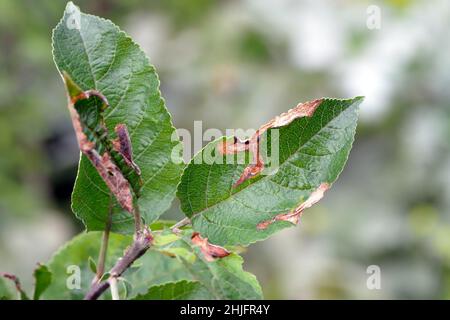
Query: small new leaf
[
  {"x": 42, "y": 280},
  {"x": 87, "y": 113},
  {"x": 92, "y": 265},
  {"x": 105, "y": 276}
]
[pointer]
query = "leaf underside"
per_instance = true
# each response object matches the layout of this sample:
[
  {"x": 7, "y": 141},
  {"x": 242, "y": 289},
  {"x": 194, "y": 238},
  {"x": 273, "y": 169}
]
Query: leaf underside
[
  {"x": 238, "y": 204},
  {"x": 99, "y": 56}
]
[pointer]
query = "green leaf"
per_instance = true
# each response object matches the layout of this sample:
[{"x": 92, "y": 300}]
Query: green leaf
[
  {"x": 127, "y": 287},
  {"x": 96, "y": 55},
  {"x": 183, "y": 253},
  {"x": 234, "y": 203},
  {"x": 72, "y": 275},
  {"x": 92, "y": 265},
  {"x": 164, "y": 238},
  {"x": 105, "y": 276},
  {"x": 6, "y": 291},
  {"x": 223, "y": 278},
  {"x": 43, "y": 279},
  {"x": 181, "y": 290},
  {"x": 161, "y": 224}
]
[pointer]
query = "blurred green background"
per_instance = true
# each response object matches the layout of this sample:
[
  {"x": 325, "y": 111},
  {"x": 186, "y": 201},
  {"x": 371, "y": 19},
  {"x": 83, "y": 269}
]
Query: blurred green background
[{"x": 236, "y": 64}]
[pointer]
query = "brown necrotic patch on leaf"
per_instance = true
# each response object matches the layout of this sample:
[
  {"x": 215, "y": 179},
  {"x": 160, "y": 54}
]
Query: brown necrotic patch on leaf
[
  {"x": 252, "y": 145},
  {"x": 102, "y": 161},
  {"x": 294, "y": 216},
  {"x": 305, "y": 109},
  {"x": 210, "y": 251},
  {"x": 113, "y": 178},
  {"x": 123, "y": 145}
]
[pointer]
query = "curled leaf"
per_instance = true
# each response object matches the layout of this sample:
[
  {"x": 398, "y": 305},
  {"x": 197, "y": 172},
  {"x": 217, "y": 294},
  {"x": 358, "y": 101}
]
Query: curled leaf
[
  {"x": 93, "y": 139},
  {"x": 123, "y": 145}
]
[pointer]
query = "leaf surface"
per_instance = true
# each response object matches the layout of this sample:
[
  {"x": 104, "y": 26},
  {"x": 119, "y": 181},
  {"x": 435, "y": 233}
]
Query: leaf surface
[
  {"x": 181, "y": 290},
  {"x": 72, "y": 275},
  {"x": 42, "y": 280},
  {"x": 285, "y": 168},
  {"x": 171, "y": 262},
  {"x": 96, "y": 55},
  {"x": 5, "y": 289},
  {"x": 6, "y": 292},
  {"x": 224, "y": 278}
]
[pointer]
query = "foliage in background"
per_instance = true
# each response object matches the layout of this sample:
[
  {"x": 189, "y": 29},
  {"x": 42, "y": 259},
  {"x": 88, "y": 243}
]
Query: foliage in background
[
  {"x": 127, "y": 168},
  {"x": 249, "y": 58}
]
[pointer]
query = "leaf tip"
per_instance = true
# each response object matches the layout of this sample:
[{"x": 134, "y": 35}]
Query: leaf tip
[
  {"x": 72, "y": 88},
  {"x": 358, "y": 99},
  {"x": 71, "y": 7}
]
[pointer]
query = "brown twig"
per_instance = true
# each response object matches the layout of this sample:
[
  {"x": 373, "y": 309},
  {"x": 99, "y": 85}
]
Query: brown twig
[
  {"x": 140, "y": 245},
  {"x": 137, "y": 219},
  {"x": 176, "y": 227},
  {"x": 142, "y": 242}
]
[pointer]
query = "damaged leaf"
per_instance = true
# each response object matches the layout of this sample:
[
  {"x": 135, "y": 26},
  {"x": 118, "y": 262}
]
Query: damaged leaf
[
  {"x": 92, "y": 265},
  {"x": 286, "y": 167},
  {"x": 94, "y": 142},
  {"x": 122, "y": 125},
  {"x": 294, "y": 216},
  {"x": 253, "y": 144},
  {"x": 123, "y": 145},
  {"x": 234, "y": 192},
  {"x": 210, "y": 251}
]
